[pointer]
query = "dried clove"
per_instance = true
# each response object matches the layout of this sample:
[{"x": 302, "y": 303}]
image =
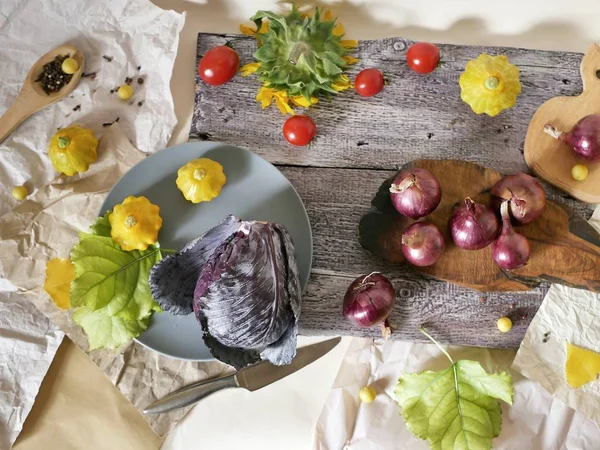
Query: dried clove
[
  {"x": 77, "y": 108},
  {"x": 128, "y": 80},
  {"x": 108, "y": 58},
  {"x": 140, "y": 80}
]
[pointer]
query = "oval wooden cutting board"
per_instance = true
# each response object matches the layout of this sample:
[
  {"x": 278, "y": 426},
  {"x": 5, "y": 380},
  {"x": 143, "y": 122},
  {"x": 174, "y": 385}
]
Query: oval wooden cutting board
[
  {"x": 551, "y": 159},
  {"x": 565, "y": 248}
]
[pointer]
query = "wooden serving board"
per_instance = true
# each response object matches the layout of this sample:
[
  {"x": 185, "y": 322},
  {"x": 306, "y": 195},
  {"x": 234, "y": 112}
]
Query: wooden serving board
[
  {"x": 360, "y": 143},
  {"x": 565, "y": 249},
  {"x": 549, "y": 158}
]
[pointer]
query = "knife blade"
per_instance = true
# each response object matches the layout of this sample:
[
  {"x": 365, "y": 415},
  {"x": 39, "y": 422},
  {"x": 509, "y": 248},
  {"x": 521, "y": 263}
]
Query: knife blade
[{"x": 250, "y": 378}]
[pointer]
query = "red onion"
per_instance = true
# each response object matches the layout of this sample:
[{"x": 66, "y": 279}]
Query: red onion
[
  {"x": 526, "y": 195},
  {"x": 369, "y": 301},
  {"x": 511, "y": 250},
  {"x": 473, "y": 225},
  {"x": 584, "y": 137},
  {"x": 415, "y": 193},
  {"x": 422, "y": 244}
]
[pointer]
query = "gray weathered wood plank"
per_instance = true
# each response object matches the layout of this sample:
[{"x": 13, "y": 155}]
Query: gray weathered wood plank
[
  {"x": 360, "y": 143},
  {"x": 415, "y": 117}
]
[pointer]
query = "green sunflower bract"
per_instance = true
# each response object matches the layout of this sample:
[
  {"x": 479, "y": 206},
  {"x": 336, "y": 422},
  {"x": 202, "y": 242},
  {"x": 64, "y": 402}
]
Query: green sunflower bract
[{"x": 300, "y": 55}]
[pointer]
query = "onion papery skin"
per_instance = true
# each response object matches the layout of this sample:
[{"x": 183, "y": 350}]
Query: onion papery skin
[
  {"x": 422, "y": 244},
  {"x": 415, "y": 193},
  {"x": 473, "y": 226},
  {"x": 583, "y": 138},
  {"x": 526, "y": 195},
  {"x": 369, "y": 300},
  {"x": 511, "y": 250}
]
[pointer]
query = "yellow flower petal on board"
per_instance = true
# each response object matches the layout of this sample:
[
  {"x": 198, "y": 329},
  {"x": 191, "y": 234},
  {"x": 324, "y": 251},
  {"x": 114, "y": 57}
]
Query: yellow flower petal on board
[
  {"x": 283, "y": 105},
  {"x": 264, "y": 96},
  {"x": 60, "y": 272},
  {"x": 350, "y": 59},
  {"x": 341, "y": 84},
  {"x": 249, "y": 69},
  {"x": 299, "y": 100},
  {"x": 349, "y": 43},
  {"x": 582, "y": 365}
]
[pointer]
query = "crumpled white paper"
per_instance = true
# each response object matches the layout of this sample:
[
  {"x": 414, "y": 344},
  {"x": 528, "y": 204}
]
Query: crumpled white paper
[
  {"x": 28, "y": 343},
  {"x": 134, "y": 33},
  {"x": 571, "y": 315},
  {"x": 536, "y": 421}
]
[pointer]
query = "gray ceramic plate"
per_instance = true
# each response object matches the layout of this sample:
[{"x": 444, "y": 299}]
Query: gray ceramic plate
[{"x": 255, "y": 190}]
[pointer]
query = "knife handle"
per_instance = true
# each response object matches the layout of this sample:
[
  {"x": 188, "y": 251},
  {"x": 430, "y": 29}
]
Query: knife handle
[{"x": 191, "y": 394}]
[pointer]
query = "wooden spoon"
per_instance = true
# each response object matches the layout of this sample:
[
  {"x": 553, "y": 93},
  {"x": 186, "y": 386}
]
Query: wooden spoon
[{"x": 32, "y": 97}]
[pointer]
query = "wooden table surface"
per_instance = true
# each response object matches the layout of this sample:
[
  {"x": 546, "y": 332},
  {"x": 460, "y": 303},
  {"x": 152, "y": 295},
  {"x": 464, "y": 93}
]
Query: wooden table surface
[{"x": 360, "y": 143}]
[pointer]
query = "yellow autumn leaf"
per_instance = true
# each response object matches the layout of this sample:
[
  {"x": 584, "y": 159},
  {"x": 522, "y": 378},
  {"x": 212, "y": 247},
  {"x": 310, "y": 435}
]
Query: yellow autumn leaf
[
  {"x": 249, "y": 69},
  {"x": 582, "y": 365},
  {"x": 60, "y": 272}
]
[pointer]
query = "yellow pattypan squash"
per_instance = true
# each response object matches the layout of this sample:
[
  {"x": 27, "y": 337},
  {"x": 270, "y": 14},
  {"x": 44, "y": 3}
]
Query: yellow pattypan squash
[
  {"x": 490, "y": 84},
  {"x": 73, "y": 149},
  {"x": 135, "y": 223},
  {"x": 201, "y": 180}
]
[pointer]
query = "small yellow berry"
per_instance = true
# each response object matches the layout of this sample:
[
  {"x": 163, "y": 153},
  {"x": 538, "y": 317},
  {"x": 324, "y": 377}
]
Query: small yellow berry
[
  {"x": 367, "y": 394},
  {"x": 69, "y": 66},
  {"x": 19, "y": 193},
  {"x": 125, "y": 92},
  {"x": 504, "y": 324},
  {"x": 579, "y": 172}
]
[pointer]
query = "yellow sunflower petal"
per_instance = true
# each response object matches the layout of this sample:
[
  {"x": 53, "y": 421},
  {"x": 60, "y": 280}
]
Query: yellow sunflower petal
[
  {"x": 338, "y": 30},
  {"x": 341, "y": 84},
  {"x": 327, "y": 16},
  {"x": 247, "y": 30},
  {"x": 60, "y": 272},
  {"x": 283, "y": 105},
  {"x": 249, "y": 69},
  {"x": 264, "y": 96},
  {"x": 349, "y": 43},
  {"x": 299, "y": 100},
  {"x": 350, "y": 59}
]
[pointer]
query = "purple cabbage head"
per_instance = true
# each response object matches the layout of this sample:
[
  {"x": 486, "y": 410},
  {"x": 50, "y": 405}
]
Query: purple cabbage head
[{"x": 241, "y": 278}]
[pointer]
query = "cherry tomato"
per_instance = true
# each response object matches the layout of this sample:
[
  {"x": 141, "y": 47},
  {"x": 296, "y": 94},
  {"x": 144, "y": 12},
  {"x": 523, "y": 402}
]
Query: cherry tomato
[
  {"x": 368, "y": 82},
  {"x": 299, "y": 130},
  {"x": 218, "y": 65},
  {"x": 423, "y": 57}
]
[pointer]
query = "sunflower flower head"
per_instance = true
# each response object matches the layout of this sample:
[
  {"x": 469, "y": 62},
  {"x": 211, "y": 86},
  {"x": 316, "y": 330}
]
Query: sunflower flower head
[{"x": 300, "y": 57}]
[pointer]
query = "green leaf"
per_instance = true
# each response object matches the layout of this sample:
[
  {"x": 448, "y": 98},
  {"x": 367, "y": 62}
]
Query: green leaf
[
  {"x": 106, "y": 331},
  {"x": 456, "y": 408},
  {"x": 101, "y": 227},
  {"x": 108, "y": 277}
]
